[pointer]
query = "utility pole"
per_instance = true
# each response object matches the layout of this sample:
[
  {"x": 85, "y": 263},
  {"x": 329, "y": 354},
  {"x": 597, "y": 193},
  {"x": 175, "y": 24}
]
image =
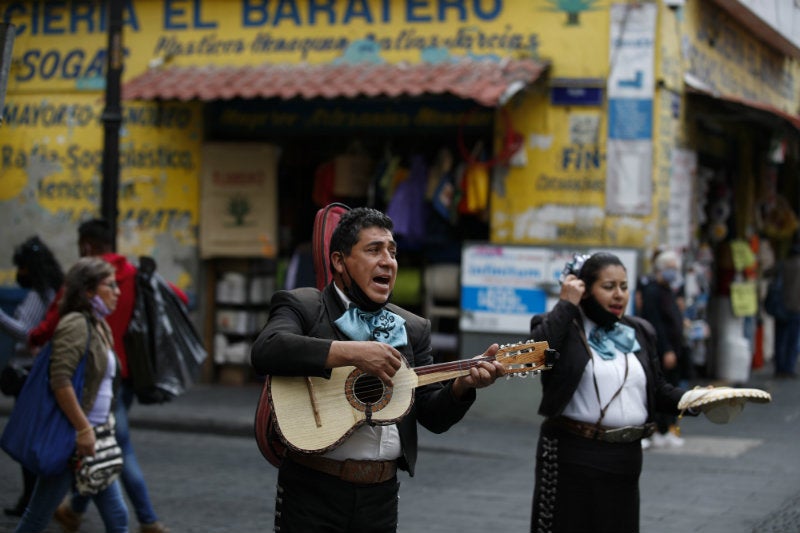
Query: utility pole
[
  {"x": 7, "y": 33},
  {"x": 112, "y": 118}
]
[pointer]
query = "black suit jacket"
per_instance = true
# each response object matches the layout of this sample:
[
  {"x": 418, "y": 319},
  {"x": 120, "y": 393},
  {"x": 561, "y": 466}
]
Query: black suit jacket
[
  {"x": 297, "y": 338},
  {"x": 562, "y": 328}
]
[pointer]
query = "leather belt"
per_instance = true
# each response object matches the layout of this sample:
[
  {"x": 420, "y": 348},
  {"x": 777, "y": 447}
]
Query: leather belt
[
  {"x": 622, "y": 434},
  {"x": 350, "y": 470}
]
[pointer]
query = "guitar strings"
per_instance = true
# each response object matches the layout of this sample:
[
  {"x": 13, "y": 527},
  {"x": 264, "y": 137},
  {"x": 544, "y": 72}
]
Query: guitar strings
[{"x": 453, "y": 366}]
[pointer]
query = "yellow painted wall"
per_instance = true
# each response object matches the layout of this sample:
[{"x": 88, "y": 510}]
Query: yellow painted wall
[{"x": 556, "y": 196}]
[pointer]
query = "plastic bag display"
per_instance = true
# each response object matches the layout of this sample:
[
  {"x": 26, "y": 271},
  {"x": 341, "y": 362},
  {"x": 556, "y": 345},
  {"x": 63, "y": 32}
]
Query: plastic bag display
[
  {"x": 165, "y": 352},
  {"x": 38, "y": 434}
]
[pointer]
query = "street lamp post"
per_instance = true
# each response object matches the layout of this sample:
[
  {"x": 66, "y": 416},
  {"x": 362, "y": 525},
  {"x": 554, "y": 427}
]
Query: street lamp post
[{"x": 112, "y": 118}]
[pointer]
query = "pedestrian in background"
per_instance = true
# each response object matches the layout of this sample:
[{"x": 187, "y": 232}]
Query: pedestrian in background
[
  {"x": 353, "y": 485},
  {"x": 90, "y": 294},
  {"x": 787, "y": 324},
  {"x": 96, "y": 238},
  {"x": 599, "y": 401},
  {"x": 39, "y": 272},
  {"x": 661, "y": 306}
]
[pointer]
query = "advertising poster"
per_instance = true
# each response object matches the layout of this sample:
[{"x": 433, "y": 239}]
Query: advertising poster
[{"x": 502, "y": 287}]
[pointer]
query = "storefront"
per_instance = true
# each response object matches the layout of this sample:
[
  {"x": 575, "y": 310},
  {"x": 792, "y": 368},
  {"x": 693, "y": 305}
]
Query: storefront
[{"x": 524, "y": 123}]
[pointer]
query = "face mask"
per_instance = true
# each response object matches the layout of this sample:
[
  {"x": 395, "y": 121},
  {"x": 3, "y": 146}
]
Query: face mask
[
  {"x": 100, "y": 308},
  {"x": 24, "y": 280},
  {"x": 359, "y": 297},
  {"x": 670, "y": 276},
  {"x": 597, "y": 313}
]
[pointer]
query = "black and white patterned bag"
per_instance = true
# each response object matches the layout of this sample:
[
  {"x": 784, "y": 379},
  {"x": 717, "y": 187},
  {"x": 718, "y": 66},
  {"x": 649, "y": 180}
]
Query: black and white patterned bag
[{"x": 94, "y": 474}]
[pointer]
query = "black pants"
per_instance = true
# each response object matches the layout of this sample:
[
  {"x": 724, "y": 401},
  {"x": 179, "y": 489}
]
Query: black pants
[{"x": 310, "y": 501}]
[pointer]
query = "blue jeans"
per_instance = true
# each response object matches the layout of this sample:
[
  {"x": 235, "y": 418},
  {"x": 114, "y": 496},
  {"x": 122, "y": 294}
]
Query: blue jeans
[
  {"x": 48, "y": 493},
  {"x": 132, "y": 477}
]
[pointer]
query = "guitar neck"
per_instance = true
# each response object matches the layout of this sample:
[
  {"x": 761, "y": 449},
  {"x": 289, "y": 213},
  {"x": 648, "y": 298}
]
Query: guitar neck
[{"x": 444, "y": 371}]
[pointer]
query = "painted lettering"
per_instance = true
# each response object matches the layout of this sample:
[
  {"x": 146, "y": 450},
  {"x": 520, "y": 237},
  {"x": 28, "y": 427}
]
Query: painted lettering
[
  {"x": 68, "y": 190},
  {"x": 157, "y": 219},
  {"x": 287, "y": 9},
  {"x": 62, "y": 64},
  {"x": 49, "y": 115},
  {"x": 570, "y": 184},
  {"x": 580, "y": 158},
  {"x": 162, "y": 117},
  {"x": 11, "y": 158},
  {"x": 457, "y": 5},
  {"x": 261, "y": 13},
  {"x": 323, "y": 7},
  {"x": 78, "y": 157},
  {"x": 413, "y": 11},
  {"x": 265, "y": 43},
  {"x": 355, "y": 12},
  {"x": 176, "y": 16},
  {"x": 44, "y": 17},
  {"x": 156, "y": 157}
]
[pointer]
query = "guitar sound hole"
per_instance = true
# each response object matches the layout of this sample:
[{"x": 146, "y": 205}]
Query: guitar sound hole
[{"x": 368, "y": 389}]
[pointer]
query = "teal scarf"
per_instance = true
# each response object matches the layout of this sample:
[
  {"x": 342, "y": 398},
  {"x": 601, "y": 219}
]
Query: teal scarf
[
  {"x": 381, "y": 326},
  {"x": 620, "y": 336}
]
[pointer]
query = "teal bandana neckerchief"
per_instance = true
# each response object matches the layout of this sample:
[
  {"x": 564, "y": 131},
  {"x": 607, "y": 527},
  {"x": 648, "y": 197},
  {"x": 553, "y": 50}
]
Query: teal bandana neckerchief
[
  {"x": 620, "y": 336},
  {"x": 382, "y": 326}
]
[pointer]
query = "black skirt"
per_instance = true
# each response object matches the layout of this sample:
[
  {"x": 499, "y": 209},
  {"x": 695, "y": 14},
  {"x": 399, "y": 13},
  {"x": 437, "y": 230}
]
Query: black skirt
[{"x": 585, "y": 485}]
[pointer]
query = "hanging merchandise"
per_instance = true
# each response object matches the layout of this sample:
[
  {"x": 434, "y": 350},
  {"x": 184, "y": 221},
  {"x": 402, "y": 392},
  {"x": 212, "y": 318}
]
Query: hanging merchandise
[
  {"x": 441, "y": 187},
  {"x": 475, "y": 190},
  {"x": 407, "y": 206},
  {"x": 322, "y": 193},
  {"x": 511, "y": 143},
  {"x": 353, "y": 173}
]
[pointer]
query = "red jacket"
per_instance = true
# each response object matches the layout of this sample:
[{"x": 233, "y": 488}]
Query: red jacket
[{"x": 118, "y": 320}]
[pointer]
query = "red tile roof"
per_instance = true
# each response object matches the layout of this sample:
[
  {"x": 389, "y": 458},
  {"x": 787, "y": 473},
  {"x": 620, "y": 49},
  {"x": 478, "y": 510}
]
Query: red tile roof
[{"x": 484, "y": 81}]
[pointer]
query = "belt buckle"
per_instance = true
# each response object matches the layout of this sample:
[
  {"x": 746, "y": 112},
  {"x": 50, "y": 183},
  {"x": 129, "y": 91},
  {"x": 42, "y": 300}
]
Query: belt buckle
[
  {"x": 623, "y": 434},
  {"x": 363, "y": 472}
]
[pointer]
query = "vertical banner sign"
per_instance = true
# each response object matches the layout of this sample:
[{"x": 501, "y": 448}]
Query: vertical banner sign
[
  {"x": 631, "y": 85},
  {"x": 679, "y": 215}
]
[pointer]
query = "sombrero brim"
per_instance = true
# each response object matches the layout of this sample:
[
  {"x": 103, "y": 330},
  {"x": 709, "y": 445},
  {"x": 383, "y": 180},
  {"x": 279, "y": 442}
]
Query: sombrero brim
[{"x": 699, "y": 397}]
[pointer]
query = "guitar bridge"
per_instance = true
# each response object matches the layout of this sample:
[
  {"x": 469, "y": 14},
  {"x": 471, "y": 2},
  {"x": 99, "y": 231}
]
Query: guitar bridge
[{"x": 368, "y": 414}]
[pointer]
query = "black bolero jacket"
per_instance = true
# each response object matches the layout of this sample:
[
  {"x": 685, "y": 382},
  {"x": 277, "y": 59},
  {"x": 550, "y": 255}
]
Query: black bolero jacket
[
  {"x": 562, "y": 328},
  {"x": 297, "y": 338}
]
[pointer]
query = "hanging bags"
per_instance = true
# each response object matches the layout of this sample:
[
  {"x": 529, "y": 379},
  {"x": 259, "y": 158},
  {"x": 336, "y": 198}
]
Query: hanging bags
[{"x": 165, "y": 352}]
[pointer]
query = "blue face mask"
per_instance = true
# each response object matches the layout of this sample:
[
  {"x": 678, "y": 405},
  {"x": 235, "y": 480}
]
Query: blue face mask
[
  {"x": 670, "y": 275},
  {"x": 99, "y": 307}
]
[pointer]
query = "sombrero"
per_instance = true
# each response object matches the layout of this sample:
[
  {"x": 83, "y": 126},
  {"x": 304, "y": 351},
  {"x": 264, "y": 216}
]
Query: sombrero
[{"x": 721, "y": 404}]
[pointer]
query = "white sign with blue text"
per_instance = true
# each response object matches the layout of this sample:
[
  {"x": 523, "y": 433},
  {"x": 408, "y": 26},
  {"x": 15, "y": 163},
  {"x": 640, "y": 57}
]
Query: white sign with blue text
[{"x": 502, "y": 287}]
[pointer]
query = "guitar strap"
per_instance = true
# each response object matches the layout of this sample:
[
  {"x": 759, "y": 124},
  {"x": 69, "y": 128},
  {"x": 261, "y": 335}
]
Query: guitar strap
[{"x": 603, "y": 408}]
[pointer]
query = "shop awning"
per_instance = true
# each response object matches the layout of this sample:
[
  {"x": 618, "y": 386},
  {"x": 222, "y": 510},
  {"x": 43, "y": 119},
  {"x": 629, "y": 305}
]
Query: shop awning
[
  {"x": 489, "y": 83},
  {"x": 697, "y": 86}
]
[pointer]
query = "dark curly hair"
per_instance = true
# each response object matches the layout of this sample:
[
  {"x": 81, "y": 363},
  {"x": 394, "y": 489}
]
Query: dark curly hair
[
  {"x": 345, "y": 236},
  {"x": 35, "y": 258}
]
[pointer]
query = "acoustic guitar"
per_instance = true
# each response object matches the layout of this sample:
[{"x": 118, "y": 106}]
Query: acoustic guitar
[{"x": 314, "y": 415}]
